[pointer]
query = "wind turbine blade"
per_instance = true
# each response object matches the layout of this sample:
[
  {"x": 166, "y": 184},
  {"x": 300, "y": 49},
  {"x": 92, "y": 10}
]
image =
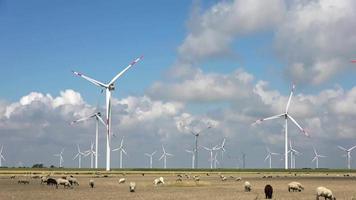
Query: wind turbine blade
[
  {"x": 267, "y": 157},
  {"x": 164, "y": 151},
  {"x": 300, "y": 128},
  {"x": 322, "y": 156},
  {"x": 116, "y": 149},
  {"x": 314, "y": 158},
  {"x": 147, "y": 154},
  {"x": 161, "y": 157},
  {"x": 352, "y": 148},
  {"x": 154, "y": 153},
  {"x": 342, "y": 148},
  {"x": 123, "y": 71},
  {"x": 123, "y": 150},
  {"x": 95, "y": 82},
  {"x": 76, "y": 156},
  {"x": 290, "y": 98},
  {"x": 315, "y": 151},
  {"x": 353, "y": 61},
  {"x": 101, "y": 120},
  {"x": 2, "y": 157},
  {"x": 206, "y": 148},
  {"x": 268, "y": 118},
  {"x": 82, "y": 119},
  {"x": 168, "y": 154}
]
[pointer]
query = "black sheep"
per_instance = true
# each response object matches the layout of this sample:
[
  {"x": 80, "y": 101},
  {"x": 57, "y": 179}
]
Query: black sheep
[
  {"x": 268, "y": 191},
  {"x": 51, "y": 182}
]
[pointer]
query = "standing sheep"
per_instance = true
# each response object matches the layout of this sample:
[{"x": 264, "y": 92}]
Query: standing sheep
[
  {"x": 324, "y": 192},
  {"x": 158, "y": 181},
  {"x": 132, "y": 187},
  {"x": 122, "y": 180},
  {"x": 223, "y": 178},
  {"x": 268, "y": 191},
  {"x": 73, "y": 181},
  {"x": 64, "y": 182},
  {"x": 91, "y": 183},
  {"x": 295, "y": 186},
  {"x": 247, "y": 186}
]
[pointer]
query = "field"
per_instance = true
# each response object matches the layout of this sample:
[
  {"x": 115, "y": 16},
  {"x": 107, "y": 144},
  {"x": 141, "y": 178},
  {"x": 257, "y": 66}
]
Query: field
[{"x": 209, "y": 187}]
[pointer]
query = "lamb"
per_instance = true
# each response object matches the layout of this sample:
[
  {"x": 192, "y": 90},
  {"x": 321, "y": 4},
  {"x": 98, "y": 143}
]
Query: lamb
[
  {"x": 247, "y": 186},
  {"x": 132, "y": 187},
  {"x": 91, "y": 183},
  {"x": 295, "y": 186},
  {"x": 64, "y": 182},
  {"x": 72, "y": 180},
  {"x": 122, "y": 180},
  {"x": 268, "y": 191},
  {"x": 324, "y": 192}
]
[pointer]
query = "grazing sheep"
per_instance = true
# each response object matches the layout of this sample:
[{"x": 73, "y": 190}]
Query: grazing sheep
[
  {"x": 179, "y": 176},
  {"x": 64, "y": 182},
  {"x": 223, "y": 178},
  {"x": 91, "y": 183},
  {"x": 324, "y": 192},
  {"x": 132, "y": 186},
  {"x": 268, "y": 191},
  {"x": 23, "y": 181},
  {"x": 51, "y": 182},
  {"x": 72, "y": 180},
  {"x": 122, "y": 180},
  {"x": 158, "y": 181},
  {"x": 179, "y": 179},
  {"x": 238, "y": 179},
  {"x": 196, "y": 178},
  {"x": 295, "y": 186},
  {"x": 44, "y": 180},
  {"x": 12, "y": 177},
  {"x": 247, "y": 186}
]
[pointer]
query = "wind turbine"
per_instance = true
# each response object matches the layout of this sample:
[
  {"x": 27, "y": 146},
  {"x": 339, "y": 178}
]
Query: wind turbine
[
  {"x": 348, "y": 154},
  {"x": 60, "y": 155},
  {"x": 1, "y": 156},
  {"x": 222, "y": 148},
  {"x": 92, "y": 153},
  {"x": 196, "y": 136},
  {"x": 193, "y": 157},
  {"x": 122, "y": 150},
  {"x": 216, "y": 162},
  {"x": 293, "y": 153},
  {"x": 316, "y": 158},
  {"x": 79, "y": 156},
  {"x": 215, "y": 148},
  {"x": 269, "y": 156},
  {"x": 150, "y": 156},
  {"x": 98, "y": 118},
  {"x": 286, "y": 116},
  {"x": 164, "y": 156},
  {"x": 109, "y": 87}
]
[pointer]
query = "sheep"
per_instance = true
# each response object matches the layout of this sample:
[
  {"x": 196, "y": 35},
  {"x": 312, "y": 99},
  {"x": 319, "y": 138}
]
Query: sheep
[
  {"x": 324, "y": 192},
  {"x": 132, "y": 186},
  {"x": 122, "y": 180},
  {"x": 295, "y": 186},
  {"x": 223, "y": 178},
  {"x": 238, "y": 179},
  {"x": 247, "y": 186},
  {"x": 44, "y": 180},
  {"x": 12, "y": 177},
  {"x": 51, "y": 182},
  {"x": 158, "y": 181},
  {"x": 23, "y": 181},
  {"x": 91, "y": 183},
  {"x": 72, "y": 180},
  {"x": 268, "y": 191},
  {"x": 179, "y": 179},
  {"x": 64, "y": 182},
  {"x": 196, "y": 178},
  {"x": 179, "y": 176}
]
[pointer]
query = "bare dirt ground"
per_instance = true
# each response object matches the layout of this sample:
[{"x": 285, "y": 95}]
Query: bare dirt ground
[{"x": 209, "y": 188}]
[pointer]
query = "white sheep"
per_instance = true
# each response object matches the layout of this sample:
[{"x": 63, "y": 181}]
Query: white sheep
[
  {"x": 122, "y": 180},
  {"x": 324, "y": 192},
  {"x": 91, "y": 183},
  {"x": 295, "y": 186},
  {"x": 64, "y": 182},
  {"x": 238, "y": 179},
  {"x": 73, "y": 181},
  {"x": 132, "y": 187},
  {"x": 44, "y": 179},
  {"x": 223, "y": 178},
  {"x": 158, "y": 181},
  {"x": 247, "y": 186}
]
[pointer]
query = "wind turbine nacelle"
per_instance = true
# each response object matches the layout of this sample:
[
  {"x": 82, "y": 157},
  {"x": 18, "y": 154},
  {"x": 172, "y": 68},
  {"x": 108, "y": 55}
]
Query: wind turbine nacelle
[{"x": 111, "y": 87}]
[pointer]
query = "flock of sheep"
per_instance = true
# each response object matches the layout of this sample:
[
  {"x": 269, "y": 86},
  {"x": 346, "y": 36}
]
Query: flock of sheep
[{"x": 70, "y": 182}]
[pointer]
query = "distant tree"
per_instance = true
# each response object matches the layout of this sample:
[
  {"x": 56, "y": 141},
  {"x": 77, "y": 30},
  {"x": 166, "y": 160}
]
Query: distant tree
[{"x": 37, "y": 165}]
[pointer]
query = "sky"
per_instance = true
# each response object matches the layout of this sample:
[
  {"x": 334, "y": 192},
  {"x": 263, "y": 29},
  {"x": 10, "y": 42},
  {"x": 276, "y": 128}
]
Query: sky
[{"x": 224, "y": 63}]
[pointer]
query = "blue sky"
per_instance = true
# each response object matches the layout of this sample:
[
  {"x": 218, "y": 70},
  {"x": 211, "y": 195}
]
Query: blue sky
[{"x": 221, "y": 61}]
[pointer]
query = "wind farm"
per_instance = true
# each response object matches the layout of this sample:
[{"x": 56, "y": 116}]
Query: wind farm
[{"x": 193, "y": 99}]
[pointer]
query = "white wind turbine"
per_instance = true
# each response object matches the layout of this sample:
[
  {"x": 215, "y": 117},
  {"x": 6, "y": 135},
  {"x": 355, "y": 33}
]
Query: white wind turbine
[
  {"x": 193, "y": 157},
  {"x": 293, "y": 154},
  {"x": 269, "y": 156},
  {"x": 150, "y": 156},
  {"x": 216, "y": 162},
  {"x": 196, "y": 136},
  {"x": 109, "y": 87},
  {"x": 211, "y": 159},
  {"x": 222, "y": 148},
  {"x": 1, "y": 156},
  {"x": 316, "y": 158},
  {"x": 121, "y": 150},
  {"x": 79, "y": 156},
  {"x": 97, "y": 117},
  {"x": 60, "y": 156},
  {"x": 92, "y": 153},
  {"x": 286, "y": 116},
  {"x": 348, "y": 154},
  {"x": 164, "y": 156}
]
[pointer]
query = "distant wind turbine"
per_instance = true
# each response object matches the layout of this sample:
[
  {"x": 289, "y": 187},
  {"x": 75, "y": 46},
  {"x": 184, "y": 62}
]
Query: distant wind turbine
[
  {"x": 60, "y": 156},
  {"x": 286, "y": 116},
  {"x": 79, "y": 156},
  {"x": 211, "y": 159},
  {"x": 293, "y": 154},
  {"x": 92, "y": 153},
  {"x": 193, "y": 157},
  {"x": 348, "y": 154},
  {"x": 164, "y": 157},
  {"x": 150, "y": 156},
  {"x": 109, "y": 88},
  {"x": 1, "y": 156},
  {"x": 121, "y": 150},
  {"x": 316, "y": 158},
  {"x": 269, "y": 156}
]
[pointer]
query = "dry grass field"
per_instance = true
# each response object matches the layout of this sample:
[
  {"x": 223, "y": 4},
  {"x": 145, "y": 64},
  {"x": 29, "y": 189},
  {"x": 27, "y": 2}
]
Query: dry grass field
[{"x": 209, "y": 188}]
